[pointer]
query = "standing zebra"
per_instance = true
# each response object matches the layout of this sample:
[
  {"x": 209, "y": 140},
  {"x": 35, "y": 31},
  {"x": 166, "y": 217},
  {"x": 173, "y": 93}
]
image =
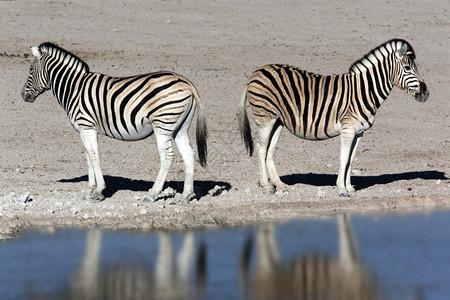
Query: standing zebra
[
  {"x": 124, "y": 108},
  {"x": 316, "y": 107}
]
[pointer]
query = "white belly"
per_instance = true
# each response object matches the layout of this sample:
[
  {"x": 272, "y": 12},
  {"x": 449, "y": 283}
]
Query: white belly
[{"x": 140, "y": 132}]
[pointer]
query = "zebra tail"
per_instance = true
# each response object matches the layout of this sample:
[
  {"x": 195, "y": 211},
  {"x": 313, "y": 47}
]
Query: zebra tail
[
  {"x": 201, "y": 132},
  {"x": 244, "y": 125}
]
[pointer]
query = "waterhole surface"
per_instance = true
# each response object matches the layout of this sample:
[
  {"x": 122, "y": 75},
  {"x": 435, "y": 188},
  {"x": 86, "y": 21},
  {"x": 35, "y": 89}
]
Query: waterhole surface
[{"x": 346, "y": 257}]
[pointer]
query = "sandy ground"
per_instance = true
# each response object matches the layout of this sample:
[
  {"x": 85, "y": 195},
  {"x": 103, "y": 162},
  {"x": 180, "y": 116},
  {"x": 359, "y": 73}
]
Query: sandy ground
[{"x": 403, "y": 162}]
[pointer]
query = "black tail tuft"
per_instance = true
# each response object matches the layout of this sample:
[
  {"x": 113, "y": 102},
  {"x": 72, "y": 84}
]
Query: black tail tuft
[
  {"x": 201, "y": 135},
  {"x": 244, "y": 126}
]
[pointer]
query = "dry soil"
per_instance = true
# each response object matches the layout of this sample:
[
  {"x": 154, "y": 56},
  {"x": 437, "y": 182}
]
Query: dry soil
[{"x": 403, "y": 162}]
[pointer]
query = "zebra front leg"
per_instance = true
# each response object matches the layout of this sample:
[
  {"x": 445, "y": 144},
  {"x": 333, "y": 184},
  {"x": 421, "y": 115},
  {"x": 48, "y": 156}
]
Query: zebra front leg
[
  {"x": 349, "y": 144},
  {"x": 265, "y": 132},
  {"x": 188, "y": 155},
  {"x": 91, "y": 178},
  {"x": 96, "y": 181},
  {"x": 164, "y": 142}
]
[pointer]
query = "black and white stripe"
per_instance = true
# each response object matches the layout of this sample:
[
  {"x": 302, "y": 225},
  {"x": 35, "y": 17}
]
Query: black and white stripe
[
  {"x": 125, "y": 108},
  {"x": 317, "y": 107}
]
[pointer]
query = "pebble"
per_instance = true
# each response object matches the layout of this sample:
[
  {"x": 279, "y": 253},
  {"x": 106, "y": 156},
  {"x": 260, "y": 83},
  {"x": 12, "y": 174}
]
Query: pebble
[
  {"x": 356, "y": 172},
  {"x": 143, "y": 211},
  {"x": 281, "y": 193},
  {"x": 321, "y": 193}
]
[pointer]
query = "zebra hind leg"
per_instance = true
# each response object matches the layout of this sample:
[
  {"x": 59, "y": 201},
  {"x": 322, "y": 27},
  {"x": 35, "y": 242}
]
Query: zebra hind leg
[
  {"x": 188, "y": 155},
  {"x": 164, "y": 142},
  {"x": 273, "y": 174},
  {"x": 265, "y": 133}
]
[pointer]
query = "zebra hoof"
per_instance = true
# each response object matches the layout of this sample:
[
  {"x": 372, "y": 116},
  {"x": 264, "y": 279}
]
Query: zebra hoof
[
  {"x": 347, "y": 195},
  {"x": 98, "y": 198},
  {"x": 184, "y": 200},
  {"x": 282, "y": 190},
  {"x": 148, "y": 199},
  {"x": 269, "y": 191},
  {"x": 94, "y": 198}
]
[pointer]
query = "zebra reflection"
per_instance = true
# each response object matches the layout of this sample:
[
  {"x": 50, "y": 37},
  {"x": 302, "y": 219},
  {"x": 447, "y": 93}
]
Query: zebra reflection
[
  {"x": 169, "y": 280},
  {"x": 310, "y": 276}
]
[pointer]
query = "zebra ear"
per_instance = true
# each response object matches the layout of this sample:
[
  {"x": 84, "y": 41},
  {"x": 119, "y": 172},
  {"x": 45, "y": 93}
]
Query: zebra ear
[
  {"x": 36, "y": 52},
  {"x": 402, "y": 51}
]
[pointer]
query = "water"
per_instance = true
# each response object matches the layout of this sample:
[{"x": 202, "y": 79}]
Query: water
[{"x": 346, "y": 257}]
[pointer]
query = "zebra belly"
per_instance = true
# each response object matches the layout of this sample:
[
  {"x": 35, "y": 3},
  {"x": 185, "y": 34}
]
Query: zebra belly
[
  {"x": 134, "y": 134},
  {"x": 317, "y": 137},
  {"x": 313, "y": 135}
]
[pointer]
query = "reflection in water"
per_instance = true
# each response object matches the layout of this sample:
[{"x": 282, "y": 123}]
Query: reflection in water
[
  {"x": 310, "y": 259},
  {"x": 307, "y": 276},
  {"x": 125, "y": 280}
]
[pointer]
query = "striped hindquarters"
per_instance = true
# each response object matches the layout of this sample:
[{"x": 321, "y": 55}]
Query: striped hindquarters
[
  {"x": 130, "y": 108},
  {"x": 309, "y": 105}
]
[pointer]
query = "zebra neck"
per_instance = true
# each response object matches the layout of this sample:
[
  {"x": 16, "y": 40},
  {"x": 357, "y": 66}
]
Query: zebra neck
[
  {"x": 66, "y": 82},
  {"x": 371, "y": 88}
]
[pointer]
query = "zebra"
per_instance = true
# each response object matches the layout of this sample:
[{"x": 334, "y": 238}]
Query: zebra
[
  {"x": 316, "y": 107},
  {"x": 124, "y": 108}
]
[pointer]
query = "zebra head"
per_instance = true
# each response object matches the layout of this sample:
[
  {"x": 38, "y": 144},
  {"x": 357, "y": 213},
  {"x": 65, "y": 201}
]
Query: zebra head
[
  {"x": 406, "y": 74},
  {"x": 37, "y": 81}
]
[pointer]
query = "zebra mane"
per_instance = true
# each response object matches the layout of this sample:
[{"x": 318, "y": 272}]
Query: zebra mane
[
  {"x": 63, "y": 55},
  {"x": 380, "y": 52}
]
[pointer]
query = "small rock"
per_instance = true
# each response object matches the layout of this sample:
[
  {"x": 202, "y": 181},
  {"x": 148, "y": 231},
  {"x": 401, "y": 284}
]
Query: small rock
[
  {"x": 28, "y": 198},
  {"x": 281, "y": 193},
  {"x": 321, "y": 193},
  {"x": 169, "y": 192}
]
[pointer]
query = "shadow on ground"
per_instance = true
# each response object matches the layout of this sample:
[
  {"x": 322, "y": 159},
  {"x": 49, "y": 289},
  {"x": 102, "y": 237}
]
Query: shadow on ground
[
  {"x": 117, "y": 183},
  {"x": 361, "y": 182}
]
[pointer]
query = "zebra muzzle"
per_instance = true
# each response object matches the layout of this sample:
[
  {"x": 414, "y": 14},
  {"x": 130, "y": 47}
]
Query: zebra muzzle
[
  {"x": 423, "y": 94},
  {"x": 27, "y": 96}
]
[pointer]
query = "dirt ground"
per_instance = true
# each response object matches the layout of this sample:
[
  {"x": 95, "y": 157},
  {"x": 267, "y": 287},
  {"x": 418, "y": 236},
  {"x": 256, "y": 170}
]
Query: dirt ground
[{"x": 403, "y": 162}]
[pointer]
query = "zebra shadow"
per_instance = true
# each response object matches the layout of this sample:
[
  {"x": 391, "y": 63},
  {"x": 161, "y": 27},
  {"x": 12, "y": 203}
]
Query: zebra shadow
[
  {"x": 362, "y": 182},
  {"x": 118, "y": 183}
]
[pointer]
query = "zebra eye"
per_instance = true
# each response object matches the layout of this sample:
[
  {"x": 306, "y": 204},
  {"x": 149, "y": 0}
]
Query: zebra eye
[{"x": 407, "y": 68}]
